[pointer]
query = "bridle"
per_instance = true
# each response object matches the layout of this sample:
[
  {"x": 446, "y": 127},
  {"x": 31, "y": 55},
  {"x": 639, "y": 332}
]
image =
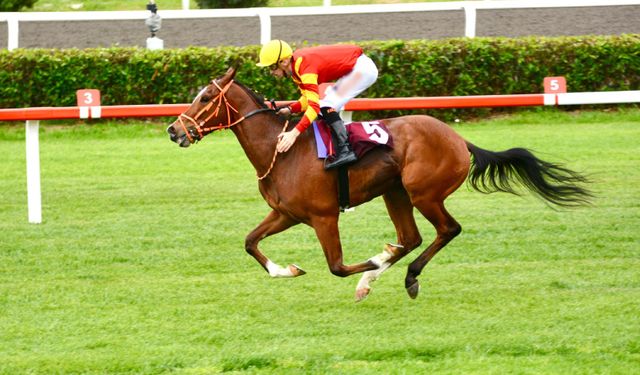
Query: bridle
[
  {"x": 199, "y": 130},
  {"x": 199, "y": 126}
]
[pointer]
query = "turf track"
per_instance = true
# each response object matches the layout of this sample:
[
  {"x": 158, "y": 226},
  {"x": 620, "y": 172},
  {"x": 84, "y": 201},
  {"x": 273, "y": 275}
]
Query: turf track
[{"x": 139, "y": 265}]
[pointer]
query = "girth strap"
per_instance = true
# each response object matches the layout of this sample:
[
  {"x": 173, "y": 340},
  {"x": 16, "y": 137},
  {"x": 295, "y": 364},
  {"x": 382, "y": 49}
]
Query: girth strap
[{"x": 343, "y": 187}]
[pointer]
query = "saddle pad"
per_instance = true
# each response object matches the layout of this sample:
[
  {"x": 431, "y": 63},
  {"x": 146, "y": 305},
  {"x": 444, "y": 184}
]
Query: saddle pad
[{"x": 363, "y": 137}]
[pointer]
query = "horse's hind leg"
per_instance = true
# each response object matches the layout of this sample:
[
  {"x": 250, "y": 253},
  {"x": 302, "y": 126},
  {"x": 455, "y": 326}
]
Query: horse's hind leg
[
  {"x": 274, "y": 223},
  {"x": 400, "y": 211},
  {"x": 446, "y": 229},
  {"x": 326, "y": 228}
]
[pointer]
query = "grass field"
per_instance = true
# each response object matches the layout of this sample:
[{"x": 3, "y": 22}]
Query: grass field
[
  {"x": 139, "y": 266},
  {"x": 90, "y": 5}
]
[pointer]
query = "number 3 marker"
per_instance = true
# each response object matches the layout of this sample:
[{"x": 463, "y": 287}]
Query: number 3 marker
[{"x": 89, "y": 101}]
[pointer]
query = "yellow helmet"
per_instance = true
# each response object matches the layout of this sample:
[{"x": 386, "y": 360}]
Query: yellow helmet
[{"x": 274, "y": 51}]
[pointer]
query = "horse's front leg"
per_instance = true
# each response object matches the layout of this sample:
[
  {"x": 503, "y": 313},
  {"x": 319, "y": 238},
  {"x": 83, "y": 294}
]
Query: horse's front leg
[
  {"x": 327, "y": 231},
  {"x": 275, "y": 222}
]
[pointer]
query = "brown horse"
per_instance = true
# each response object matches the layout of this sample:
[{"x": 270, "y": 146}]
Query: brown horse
[{"x": 429, "y": 161}]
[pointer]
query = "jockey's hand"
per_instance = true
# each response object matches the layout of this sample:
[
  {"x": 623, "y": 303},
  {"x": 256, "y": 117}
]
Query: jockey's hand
[
  {"x": 284, "y": 111},
  {"x": 287, "y": 139}
]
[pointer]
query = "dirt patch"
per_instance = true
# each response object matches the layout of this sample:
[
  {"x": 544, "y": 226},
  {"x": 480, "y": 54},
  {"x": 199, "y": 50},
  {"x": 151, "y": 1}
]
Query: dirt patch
[{"x": 607, "y": 20}]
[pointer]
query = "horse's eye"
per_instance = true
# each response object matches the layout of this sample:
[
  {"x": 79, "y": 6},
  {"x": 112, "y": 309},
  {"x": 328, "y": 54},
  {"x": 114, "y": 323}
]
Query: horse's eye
[{"x": 205, "y": 98}]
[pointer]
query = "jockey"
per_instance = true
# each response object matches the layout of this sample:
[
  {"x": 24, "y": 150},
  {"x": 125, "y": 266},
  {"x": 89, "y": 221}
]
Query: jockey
[{"x": 346, "y": 64}]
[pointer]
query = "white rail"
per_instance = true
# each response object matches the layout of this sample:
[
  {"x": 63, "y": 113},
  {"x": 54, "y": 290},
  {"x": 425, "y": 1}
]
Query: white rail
[
  {"x": 469, "y": 7},
  {"x": 34, "y": 198}
]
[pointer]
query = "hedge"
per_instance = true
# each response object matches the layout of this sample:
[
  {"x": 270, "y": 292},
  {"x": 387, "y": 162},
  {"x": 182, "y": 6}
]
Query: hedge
[{"x": 460, "y": 66}]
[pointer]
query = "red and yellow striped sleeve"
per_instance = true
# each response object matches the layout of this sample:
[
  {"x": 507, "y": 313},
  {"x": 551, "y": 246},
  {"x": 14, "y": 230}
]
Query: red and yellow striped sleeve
[
  {"x": 299, "y": 106},
  {"x": 310, "y": 100}
]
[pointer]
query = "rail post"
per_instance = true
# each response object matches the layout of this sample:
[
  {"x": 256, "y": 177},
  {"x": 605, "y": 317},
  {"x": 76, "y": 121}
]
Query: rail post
[
  {"x": 12, "y": 33},
  {"x": 265, "y": 26},
  {"x": 470, "y": 21},
  {"x": 34, "y": 196}
]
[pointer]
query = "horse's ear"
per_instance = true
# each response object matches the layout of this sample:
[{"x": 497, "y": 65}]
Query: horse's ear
[{"x": 231, "y": 72}]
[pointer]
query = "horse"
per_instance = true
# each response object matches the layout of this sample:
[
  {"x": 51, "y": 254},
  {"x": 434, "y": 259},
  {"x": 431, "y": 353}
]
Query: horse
[{"x": 427, "y": 163}]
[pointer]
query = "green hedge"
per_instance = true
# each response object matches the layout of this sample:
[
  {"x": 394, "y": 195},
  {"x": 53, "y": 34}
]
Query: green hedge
[{"x": 480, "y": 66}]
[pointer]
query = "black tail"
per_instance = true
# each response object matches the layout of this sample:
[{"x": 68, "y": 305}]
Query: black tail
[{"x": 496, "y": 171}]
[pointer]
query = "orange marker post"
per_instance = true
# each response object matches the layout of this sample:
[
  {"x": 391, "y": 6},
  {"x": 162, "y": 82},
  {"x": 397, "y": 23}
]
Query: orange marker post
[
  {"x": 89, "y": 103},
  {"x": 555, "y": 85}
]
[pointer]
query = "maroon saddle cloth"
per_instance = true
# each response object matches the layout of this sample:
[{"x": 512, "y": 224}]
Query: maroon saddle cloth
[{"x": 363, "y": 137}]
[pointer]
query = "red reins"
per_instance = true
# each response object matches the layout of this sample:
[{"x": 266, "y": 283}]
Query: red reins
[
  {"x": 199, "y": 125},
  {"x": 202, "y": 131}
]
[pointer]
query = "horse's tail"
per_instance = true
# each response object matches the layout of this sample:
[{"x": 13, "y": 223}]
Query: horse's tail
[{"x": 497, "y": 171}]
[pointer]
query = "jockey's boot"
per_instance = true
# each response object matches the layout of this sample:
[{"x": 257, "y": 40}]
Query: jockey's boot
[{"x": 344, "y": 155}]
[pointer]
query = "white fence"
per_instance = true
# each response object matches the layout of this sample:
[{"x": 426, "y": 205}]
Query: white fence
[
  {"x": 469, "y": 7},
  {"x": 32, "y": 116}
]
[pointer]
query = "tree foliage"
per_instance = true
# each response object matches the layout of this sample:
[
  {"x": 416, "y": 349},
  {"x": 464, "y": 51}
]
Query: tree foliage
[
  {"x": 452, "y": 67},
  {"x": 15, "y": 5}
]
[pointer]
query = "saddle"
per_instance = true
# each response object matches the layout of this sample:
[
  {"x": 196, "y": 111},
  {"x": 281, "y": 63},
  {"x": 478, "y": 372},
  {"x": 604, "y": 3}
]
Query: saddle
[{"x": 363, "y": 137}]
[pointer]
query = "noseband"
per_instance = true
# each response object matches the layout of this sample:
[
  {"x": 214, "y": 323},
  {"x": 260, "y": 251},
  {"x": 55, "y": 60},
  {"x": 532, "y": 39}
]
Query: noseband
[{"x": 199, "y": 125}]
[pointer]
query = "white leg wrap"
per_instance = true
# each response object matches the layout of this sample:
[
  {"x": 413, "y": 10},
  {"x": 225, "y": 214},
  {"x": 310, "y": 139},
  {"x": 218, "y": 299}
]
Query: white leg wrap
[
  {"x": 276, "y": 270},
  {"x": 382, "y": 261},
  {"x": 382, "y": 258},
  {"x": 366, "y": 278}
]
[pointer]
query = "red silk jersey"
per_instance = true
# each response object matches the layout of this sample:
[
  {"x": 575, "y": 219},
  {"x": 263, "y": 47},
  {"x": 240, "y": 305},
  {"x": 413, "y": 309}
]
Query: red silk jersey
[{"x": 315, "y": 65}]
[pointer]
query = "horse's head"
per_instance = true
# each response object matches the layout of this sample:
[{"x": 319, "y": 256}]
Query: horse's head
[{"x": 209, "y": 111}]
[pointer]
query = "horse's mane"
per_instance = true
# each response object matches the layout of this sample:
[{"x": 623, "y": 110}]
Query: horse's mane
[
  {"x": 260, "y": 101},
  {"x": 257, "y": 98}
]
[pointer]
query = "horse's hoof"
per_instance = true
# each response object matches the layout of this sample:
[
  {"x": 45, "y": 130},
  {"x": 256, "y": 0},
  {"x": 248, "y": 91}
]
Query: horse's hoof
[
  {"x": 296, "y": 271},
  {"x": 413, "y": 290},
  {"x": 362, "y": 293}
]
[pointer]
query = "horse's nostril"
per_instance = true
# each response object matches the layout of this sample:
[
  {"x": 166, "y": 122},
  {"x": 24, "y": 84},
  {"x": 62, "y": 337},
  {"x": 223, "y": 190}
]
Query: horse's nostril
[{"x": 171, "y": 130}]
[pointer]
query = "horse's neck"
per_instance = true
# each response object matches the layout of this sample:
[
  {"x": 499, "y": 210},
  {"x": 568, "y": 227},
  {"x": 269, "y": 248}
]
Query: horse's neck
[{"x": 257, "y": 135}]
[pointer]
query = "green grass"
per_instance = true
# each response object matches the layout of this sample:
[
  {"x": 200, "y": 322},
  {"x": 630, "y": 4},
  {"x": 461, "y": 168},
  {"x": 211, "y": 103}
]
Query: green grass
[
  {"x": 139, "y": 265},
  {"x": 80, "y": 5}
]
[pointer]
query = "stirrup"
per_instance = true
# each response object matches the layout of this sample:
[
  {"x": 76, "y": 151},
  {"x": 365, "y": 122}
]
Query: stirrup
[{"x": 341, "y": 160}]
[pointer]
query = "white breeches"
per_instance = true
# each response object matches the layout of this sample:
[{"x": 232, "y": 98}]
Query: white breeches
[{"x": 363, "y": 75}]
